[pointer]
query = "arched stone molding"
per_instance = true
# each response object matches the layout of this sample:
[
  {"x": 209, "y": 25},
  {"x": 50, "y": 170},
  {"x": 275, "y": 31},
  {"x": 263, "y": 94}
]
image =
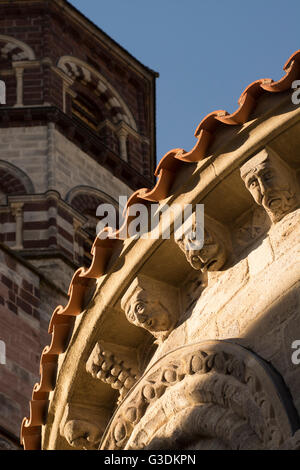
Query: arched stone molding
[
  {"x": 22, "y": 56},
  {"x": 17, "y": 50},
  {"x": 91, "y": 192},
  {"x": 76, "y": 69},
  {"x": 14, "y": 181},
  {"x": 86, "y": 200},
  {"x": 215, "y": 393}
]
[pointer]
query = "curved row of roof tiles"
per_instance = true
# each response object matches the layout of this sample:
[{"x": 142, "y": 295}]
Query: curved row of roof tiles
[{"x": 62, "y": 318}]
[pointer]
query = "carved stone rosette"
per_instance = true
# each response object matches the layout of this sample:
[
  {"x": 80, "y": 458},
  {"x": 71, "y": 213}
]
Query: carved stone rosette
[{"x": 211, "y": 395}]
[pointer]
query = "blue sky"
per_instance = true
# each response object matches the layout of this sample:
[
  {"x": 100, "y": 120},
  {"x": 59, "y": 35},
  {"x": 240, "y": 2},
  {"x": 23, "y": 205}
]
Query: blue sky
[{"x": 206, "y": 52}]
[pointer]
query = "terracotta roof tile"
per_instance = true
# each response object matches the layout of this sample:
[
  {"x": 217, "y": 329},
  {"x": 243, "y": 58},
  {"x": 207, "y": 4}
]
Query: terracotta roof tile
[{"x": 62, "y": 318}]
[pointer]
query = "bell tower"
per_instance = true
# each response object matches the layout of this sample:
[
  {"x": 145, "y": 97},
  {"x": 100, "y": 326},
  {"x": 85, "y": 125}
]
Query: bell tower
[{"x": 77, "y": 128}]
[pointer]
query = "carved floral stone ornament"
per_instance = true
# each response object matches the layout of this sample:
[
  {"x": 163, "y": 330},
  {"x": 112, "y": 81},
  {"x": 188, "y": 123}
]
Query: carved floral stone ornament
[
  {"x": 152, "y": 305},
  {"x": 210, "y": 254},
  {"x": 213, "y": 395},
  {"x": 271, "y": 183}
]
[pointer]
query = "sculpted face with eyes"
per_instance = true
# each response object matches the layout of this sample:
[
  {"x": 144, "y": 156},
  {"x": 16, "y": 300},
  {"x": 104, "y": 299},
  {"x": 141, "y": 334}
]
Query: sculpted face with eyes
[
  {"x": 271, "y": 184},
  {"x": 150, "y": 314},
  {"x": 210, "y": 255},
  {"x": 146, "y": 305}
]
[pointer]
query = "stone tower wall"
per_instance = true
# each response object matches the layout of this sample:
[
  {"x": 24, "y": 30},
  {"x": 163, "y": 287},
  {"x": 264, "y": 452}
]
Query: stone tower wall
[{"x": 77, "y": 130}]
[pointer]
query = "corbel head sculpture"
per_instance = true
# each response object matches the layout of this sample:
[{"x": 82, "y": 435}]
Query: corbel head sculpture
[
  {"x": 152, "y": 305},
  {"x": 82, "y": 434},
  {"x": 271, "y": 183},
  {"x": 210, "y": 253},
  {"x": 83, "y": 426}
]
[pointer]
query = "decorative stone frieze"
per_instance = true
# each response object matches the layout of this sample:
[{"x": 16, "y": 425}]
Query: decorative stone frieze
[
  {"x": 271, "y": 184},
  {"x": 152, "y": 305},
  {"x": 214, "y": 394},
  {"x": 115, "y": 365}
]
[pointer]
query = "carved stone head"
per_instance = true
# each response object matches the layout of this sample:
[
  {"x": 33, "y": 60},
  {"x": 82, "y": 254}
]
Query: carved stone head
[
  {"x": 271, "y": 183},
  {"x": 210, "y": 254},
  {"x": 82, "y": 434},
  {"x": 151, "y": 304},
  {"x": 82, "y": 426}
]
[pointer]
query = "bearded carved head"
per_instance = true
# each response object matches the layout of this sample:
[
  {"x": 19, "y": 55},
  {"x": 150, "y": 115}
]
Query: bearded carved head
[{"x": 271, "y": 184}]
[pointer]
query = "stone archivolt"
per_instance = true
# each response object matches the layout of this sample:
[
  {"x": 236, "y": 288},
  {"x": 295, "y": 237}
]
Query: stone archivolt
[
  {"x": 76, "y": 69},
  {"x": 18, "y": 50},
  {"x": 216, "y": 391},
  {"x": 208, "y": 394}
]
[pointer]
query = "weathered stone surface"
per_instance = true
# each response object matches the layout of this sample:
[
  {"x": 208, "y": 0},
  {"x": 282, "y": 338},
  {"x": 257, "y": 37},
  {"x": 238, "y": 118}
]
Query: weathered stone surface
[
  {"x": 205, "y": 390},
  {"x": 212, "y": 342}
]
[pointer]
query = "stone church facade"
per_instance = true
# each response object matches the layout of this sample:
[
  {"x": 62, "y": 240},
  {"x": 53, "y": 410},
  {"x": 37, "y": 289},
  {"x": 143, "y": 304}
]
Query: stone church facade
[
  {"x": 77, "y": 130},
  {"x": 160, "y": 343},
  {"x": 164, "y": 344}
]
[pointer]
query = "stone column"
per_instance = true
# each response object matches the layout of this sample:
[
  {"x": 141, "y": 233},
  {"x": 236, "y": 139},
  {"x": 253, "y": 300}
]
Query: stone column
[
  {"x": 2, "y": 92},
  {"x": 77, "y": 249},
  {"x": 122, "y": 134},
  {"x": 67, "y": 82},
  {"x": 51, "y": 156},
  {"x": 19, "y": 77},
  {"x": 67, "y": 90},
  {"x": 17, "y": 212}
]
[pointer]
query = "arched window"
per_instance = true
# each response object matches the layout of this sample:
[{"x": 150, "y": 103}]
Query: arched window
[
  {"x": 83, "y": 73},
  {"x": 85, "y": 109},
  {"x": 14, "y": 51},
  {"x": 86, "y": 201},
  {"x": 13, "y": 181},
  {"x": 11, "y": 49}
]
